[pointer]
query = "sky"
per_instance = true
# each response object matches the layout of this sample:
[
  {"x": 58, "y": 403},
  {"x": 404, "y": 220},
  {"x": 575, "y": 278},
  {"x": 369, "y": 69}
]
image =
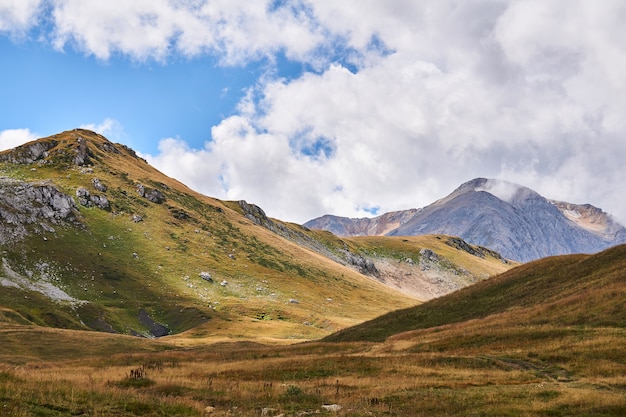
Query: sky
[{"x": 352, "y": 107}]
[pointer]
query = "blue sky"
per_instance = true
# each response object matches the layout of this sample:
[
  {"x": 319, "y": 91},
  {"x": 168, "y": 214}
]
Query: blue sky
[
  {"x": 308, "y": 107},
  {"x": 50, "y": 91}
]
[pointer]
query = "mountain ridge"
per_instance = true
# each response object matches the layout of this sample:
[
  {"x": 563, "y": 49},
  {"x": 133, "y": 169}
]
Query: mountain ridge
[{"x": 508, "y": 218}]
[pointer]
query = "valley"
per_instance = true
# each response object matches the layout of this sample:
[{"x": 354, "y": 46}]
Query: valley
[{"x": 125, "y": 293}]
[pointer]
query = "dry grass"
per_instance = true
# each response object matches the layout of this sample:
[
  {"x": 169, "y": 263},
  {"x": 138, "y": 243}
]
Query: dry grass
[{"x": 487, "y": 367}]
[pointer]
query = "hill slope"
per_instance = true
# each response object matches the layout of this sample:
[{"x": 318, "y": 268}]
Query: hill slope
[
  {"x": 564, "y": 290},
  {"x": 510, "y": 219},
  {"x": 95, "y": 238}
]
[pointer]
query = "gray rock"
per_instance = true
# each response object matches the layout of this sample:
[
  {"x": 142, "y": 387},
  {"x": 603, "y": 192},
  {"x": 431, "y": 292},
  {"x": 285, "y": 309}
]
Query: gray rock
[
  {"x": 29, "y": 153},
  {"x": 35, "y": 206},
  {"x": 101, "y": 202},
  {"x": 83, "y": 153},
  {"x": 155, "y": 196},
  {"x": 84, "y": 197},
  {"x": 98, "y": 185},
  {"x": 364, "y": 265},
  {"x": 150, "y": 194},
  {"x": 206, "y": 276}
]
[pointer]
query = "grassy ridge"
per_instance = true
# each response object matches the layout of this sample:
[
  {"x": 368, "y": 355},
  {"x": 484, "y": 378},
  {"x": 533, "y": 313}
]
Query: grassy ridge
[
  {"x": 138, "y": 275},
  {"x": 569, "y": 290}
]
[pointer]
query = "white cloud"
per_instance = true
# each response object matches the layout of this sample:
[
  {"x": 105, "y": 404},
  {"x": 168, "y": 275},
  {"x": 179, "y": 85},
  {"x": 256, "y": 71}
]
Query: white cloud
[
  {"x": 438, "y": 92},
  {"x": 234, "y": 30},
  {"x": 17, "y": 16},
  {"x": 10, "y": 138},
  {"x": 110, "y": 128},
  {"x": 469, "y": 91}
]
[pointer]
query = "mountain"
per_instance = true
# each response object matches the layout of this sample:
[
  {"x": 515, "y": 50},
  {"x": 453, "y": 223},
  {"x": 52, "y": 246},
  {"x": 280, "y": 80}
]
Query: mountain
[
  {"x": 566, "y": 290},
  {"x": 508, "y": 218},
  {"x": 94, "y": 238}
]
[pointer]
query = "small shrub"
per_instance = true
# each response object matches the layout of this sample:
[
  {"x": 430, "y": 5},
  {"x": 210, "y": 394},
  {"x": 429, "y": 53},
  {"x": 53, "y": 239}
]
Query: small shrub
[
  {"x": 293, "y": 392},
  {"x": 135, "y": 383}
]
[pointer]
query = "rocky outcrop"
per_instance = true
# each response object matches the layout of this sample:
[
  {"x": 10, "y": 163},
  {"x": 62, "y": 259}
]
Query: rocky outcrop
[
  {"x": 255, "y": 214},
  {"x": 150, "y": 194},
  {"x": 98, "y": 185},
  {"x": 29, "y": 153},
  {"x": 87, "y": 199},
  {"x": 155, "y": 328},
  {"x": 39, "y": 206},
  {"x": 363, "y": 264}
]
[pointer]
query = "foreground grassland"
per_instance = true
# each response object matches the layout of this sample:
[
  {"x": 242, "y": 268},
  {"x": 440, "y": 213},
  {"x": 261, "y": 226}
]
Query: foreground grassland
[
  {"x": 544, "y": 339},
  {"x": 489, "y": 367}
]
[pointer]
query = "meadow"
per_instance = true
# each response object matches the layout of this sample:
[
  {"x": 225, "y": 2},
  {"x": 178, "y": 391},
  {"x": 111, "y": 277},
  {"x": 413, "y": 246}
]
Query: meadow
[{"x": 483, "y": 368}]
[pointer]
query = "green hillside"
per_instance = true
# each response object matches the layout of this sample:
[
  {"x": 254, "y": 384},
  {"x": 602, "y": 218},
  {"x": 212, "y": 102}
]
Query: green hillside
[
  {"x": 586, "y": 290},
  {"x": 142, "y": 254}
]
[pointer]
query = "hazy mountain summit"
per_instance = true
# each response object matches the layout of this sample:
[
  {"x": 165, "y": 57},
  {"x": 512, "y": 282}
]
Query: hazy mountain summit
[{"x": 508, "y": 218}]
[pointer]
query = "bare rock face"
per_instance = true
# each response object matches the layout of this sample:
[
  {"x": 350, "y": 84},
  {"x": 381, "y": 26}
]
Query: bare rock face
[
  {"x": 98, "y": 185},
  {"x": 29, "y": 153},
  {"x": 510, "y": 219},
  {"x": 38, "y": 205}
]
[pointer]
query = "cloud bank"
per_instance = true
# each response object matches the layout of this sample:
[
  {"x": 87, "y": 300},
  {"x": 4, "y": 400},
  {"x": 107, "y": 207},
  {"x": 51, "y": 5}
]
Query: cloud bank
[{"x": 398, "y": 102}]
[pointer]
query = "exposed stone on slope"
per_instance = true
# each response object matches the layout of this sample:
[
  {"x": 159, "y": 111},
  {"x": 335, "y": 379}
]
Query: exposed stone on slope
[
  {"x": 255, "y": 214},
  {"x": 363, "y": 264},
  {"x": 155, "y": 328},
  {"x": 98, "y": 185},
  {"x": 40, "y": 205},
  {"x": 150, "y": 194},
  {"x": 29, "y": 153},
  {"x": 86, "y": 199}
]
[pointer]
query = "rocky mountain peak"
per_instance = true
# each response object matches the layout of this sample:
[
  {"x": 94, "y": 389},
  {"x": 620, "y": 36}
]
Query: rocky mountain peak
[
  {"x": 78, "y": 147},
  {"x": 508, "y": 218}
]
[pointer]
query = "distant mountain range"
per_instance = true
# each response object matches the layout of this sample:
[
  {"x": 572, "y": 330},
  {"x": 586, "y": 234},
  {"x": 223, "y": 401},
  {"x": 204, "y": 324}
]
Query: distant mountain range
[{"x": 511, "y": 219}]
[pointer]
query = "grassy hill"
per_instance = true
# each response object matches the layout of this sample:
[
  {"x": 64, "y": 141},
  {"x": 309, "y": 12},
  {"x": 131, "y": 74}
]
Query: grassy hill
[
  {"x": 159, "y": 258},
  {"x": 585, "y": 290}
]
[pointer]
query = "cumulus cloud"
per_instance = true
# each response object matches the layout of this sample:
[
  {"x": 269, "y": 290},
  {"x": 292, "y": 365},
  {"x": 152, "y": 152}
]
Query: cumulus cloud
[
  {"x": 404, "y": 101},
  {"x": 10, "y": 138},
  {"x": 17, "y": 16},
  {"x": 234, "y": 30},
  {"x": 526, "y": 91},
  {"x": 110, "y": 128}
]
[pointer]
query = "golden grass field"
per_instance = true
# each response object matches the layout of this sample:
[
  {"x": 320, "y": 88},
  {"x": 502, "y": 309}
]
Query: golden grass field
[{"x": 489, "y": 367}]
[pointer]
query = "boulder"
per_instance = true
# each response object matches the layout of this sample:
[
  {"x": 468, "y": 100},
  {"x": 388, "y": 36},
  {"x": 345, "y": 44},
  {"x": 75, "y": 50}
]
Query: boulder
[
  {"x": 98, "y": 185},
  {"x": 150, "y": 194},
  {"x": 206, "y": 276}
]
